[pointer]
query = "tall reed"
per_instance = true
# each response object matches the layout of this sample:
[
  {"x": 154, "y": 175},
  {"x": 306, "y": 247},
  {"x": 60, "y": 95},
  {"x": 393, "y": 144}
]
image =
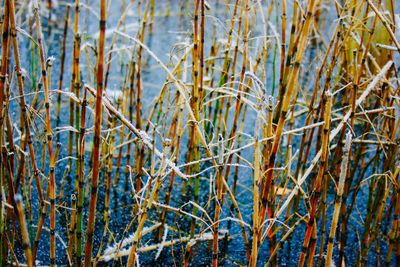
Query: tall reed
[
  {"x": 338, "y": 198},
  {"x": 97, "y": 135},
  {"x": 24, "y": 230}
]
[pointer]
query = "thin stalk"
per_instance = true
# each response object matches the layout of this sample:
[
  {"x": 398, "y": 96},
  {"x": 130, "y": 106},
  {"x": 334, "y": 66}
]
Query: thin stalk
[
  {"x": 24, "y": 230},
  {"x": 81, "y": 174},
  {"x": 72, "y": 229},
  {"x": 256, "y": 196},
  {"x": 49, "y": 137},
  {"x": 338, "y": 199},
  {"x": 74, "y": 73},
  {"x": 97, "y": 135},
  {"x": 4, "y": 54}
]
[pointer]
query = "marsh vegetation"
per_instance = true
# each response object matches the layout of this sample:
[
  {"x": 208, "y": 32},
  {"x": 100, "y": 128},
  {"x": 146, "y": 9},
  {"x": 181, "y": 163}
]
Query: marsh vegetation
[{"x": 199, "y": 133}]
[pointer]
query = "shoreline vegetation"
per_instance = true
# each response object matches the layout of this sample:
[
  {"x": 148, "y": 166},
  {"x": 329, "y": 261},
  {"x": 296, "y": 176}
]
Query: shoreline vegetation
[{"x": 267, "y": 135}]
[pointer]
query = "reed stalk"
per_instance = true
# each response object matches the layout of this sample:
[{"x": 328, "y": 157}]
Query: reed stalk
[
  {"x": 193, "y": 151},
  {"x": 71, "y": 230},
  {"x": 24, "y": 230},
  {"x": 49, "y": 137},
  {"x": 132, "y": 70},
  {"x": 138, "y": 103},
  {"x": 74, "y": 73},
  {"x": 81, "y": 174},
  {"x": 338, "y": 198},
  {"x": 256, "y": 197},
  {"x": 4, "y": 55},
  {"x": 24, "y": 115},
  {"x": 97, "y": 135},
  {"x": 5, "y": 22}
]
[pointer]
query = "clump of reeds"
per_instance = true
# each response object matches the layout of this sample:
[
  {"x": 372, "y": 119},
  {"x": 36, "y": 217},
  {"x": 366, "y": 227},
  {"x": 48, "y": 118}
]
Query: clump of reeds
[{"x": 272, "y": 135}]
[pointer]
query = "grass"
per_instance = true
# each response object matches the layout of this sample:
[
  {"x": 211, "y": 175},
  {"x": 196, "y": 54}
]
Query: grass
[{"x": 268, "y": 135}]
